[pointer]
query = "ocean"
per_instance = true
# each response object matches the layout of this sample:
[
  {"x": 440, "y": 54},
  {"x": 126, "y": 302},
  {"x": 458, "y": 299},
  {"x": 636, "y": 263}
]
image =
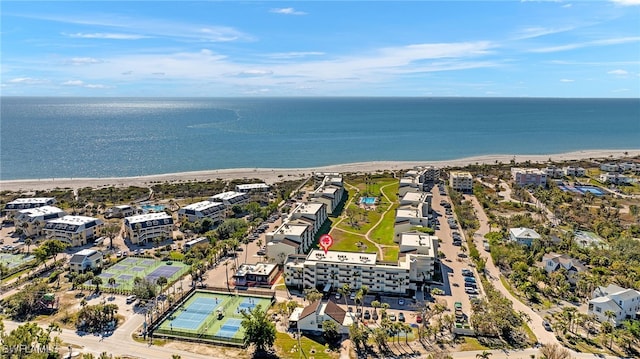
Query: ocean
[{"x": 56, "y": 137}]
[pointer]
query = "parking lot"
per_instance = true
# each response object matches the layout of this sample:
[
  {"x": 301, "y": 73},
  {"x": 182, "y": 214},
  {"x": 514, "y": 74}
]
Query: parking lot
[{"x": 455, "y": 284}]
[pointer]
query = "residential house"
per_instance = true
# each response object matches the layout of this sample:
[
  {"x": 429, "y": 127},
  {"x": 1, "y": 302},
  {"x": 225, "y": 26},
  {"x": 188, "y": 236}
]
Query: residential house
[
  {"x": 622, "y": 302},
  {"x": 84, "y": 260},
  {"x": 523, "y": 236},
  {"x": 615, "y": 178},
  {"x": 553, "y": 262},
  {"x": 310, "y": 318},
  {"x": 261, "y": 274}
]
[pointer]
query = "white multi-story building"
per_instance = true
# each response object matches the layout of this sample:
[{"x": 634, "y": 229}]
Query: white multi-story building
[
  {"x": 120, "y": 211},
  {"x": 415, "y": 265},
  {"x": 314, "y": 213},
  {"x": 624, "y": 303},
  {"x": 261, "y": 274},
  {"x": 628, "y": 166},
  {"x": 230, "y": 198},
  {"x": 75, "y": 230},
  {"x": 615, "y": 178},
  {"x": 144, "y": 228},
  {"x": 553, "y": 172},
  {"x": 200, "y": 210},
  {"x": 528, "y": 176},
  {"x": 461, "y": 181},
  {"x": 288, "y": 238},
  {"x": 573, "y": 171},
  {"x": 11, "y": 208},
  {"x": 33, "y": 220},
  {"x": 609, "y": 167},
  {"x": 330, "y": 192},
  {"x": 252, "y": 187}
]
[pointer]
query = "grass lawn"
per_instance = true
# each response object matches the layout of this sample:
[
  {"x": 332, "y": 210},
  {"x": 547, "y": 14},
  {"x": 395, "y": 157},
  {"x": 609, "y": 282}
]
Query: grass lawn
[
  {"x": 530, "y": 333},
  {"x": 285, "y": 347},
  {"x": 390, "y": 254},
  {"x": 471, "y": 344},
  {"x": 372, "y": 219},
  {"x": 383, "y": 233},
  {"x": 344, "y": 241},
  {"x": 374, "y": 188},
  {"x": 392, "y": 191}
]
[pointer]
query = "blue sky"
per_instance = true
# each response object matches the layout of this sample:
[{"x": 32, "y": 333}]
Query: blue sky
[{"x": 314, "y": 48}]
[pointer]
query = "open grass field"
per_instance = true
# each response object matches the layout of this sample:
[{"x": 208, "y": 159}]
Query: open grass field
[
  {"x": 126, "y": 270},
  {"x": 211, "y": 316},
  {"x": 287, "y": 347}
]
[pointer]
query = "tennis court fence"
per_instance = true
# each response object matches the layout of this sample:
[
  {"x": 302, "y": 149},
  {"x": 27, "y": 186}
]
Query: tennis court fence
[{"x": 206, "y": 338}]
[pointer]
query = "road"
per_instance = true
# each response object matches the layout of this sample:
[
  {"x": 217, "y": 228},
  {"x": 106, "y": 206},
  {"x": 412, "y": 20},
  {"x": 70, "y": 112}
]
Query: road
[{"x": 535, "y": 324}]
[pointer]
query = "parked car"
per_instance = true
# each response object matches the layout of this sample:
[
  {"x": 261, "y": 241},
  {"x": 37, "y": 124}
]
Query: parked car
[
  {"x": 392, "y": 317},
  {"x": 418, "y": 318},
  {"x": 374, "y": 316},
  {"x": 338, "y": 296},
  {"x": 401, "y": 317},
  {"x": 367, "y": 315},
  {"x": 130, "y": 299},
  {"x": 547, "y": 325},
  {"x": 470, "y": 290},
  {"x": 469, "y": 279},
  {"x": 401, "y": 301}
]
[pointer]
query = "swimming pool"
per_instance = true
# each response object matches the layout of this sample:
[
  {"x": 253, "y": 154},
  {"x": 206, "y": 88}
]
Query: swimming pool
[
  {"x": 595, "y": 190},
  {"x": 368, "y": 200},
  {"x": 152, "y": 208}
]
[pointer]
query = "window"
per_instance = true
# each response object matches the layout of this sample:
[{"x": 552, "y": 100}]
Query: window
[{"x": 598, "y": 309}]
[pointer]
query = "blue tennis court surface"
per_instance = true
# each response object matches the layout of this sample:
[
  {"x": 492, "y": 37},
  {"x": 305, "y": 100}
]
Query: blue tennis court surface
[
  {"x": 193, "y": 316},
  {"x": 229, "y": 328},
  {"x": 247, "y": 303}
]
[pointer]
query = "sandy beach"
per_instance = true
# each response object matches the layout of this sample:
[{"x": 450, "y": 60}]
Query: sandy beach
[{"x": 272, "y": 175}]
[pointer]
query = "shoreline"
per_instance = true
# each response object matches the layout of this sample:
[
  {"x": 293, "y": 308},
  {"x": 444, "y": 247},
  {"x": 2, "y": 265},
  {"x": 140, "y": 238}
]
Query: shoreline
[{"x": 273, "y": 175}]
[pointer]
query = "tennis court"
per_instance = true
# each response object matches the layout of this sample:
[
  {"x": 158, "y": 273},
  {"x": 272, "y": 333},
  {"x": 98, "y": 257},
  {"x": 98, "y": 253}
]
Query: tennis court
[
  {"x": 125, "y": 271},
  {"x": 211, "y": 316}
]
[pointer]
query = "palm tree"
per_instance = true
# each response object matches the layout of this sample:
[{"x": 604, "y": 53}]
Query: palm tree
[
  {"x": 97, "y": 281},
  {"x": 112, "y": 283},
  {"x": 484, "y": 355},
  {"x": 28, "y": 242},
  {"x": 610, "y": 314},
  {"x": 345, "y": 291}
]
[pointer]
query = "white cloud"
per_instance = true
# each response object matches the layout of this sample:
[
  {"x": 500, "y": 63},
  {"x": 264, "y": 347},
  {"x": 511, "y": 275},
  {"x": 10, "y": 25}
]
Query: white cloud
[
  {"x": 254, "y": 73},
  {"x": 566, "y": 80},
  {"x": 537, "y": 31},
  {"x": 567, "y": 6},
  {"x": 626, "y": 2},
  {"x": 618, "y": 72},
  {"x": 605, "y": 42},
  {"x": 105, "y": 35},
  {"x": 294, "y": 54},
  {"x": 83, "y": 61},
  {"x": 80, "y": 83},
  {"x": 287, "y": 11},
  {"x": 25, "y": 81}
]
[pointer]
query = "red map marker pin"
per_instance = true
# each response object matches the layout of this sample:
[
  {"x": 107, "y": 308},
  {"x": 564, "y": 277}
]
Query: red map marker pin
[{"x": 325, "y": 242}]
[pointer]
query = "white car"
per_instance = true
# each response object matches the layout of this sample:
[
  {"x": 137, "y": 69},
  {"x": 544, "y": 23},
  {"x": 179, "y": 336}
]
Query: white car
[
  {"x": 401, "y": 301},
  {"x": 338, "y": 296}
]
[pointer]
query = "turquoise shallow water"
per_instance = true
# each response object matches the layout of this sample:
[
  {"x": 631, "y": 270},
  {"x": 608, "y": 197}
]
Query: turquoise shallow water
[{"x": 106, "y": 137}]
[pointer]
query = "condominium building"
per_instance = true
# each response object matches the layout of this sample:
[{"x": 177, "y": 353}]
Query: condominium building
[
  {"x": 461, "y": 181},
  {"x": 609, "y": 167},
  {"x": 415, "y": 265},
  {"x": 288, "y": 238},
  {"x": 570, "y": 171},
  {"x": 11, "y": 208},
  {"x": 528, "y": 176},
  {"x": 314, "y": 213},
  {"x": 230, "y": 198},
  {"x": 75, "y": 230},
  {"x": 330, "y": 192},
  {"x": 144, "y": 228},
  {"x": 120, "y": 211},
  {"x": 553, "y": 172},
  {"x": 615, "y": 178},
  {"x": 200, "y": 210},
  {"x": 32, "y": 221},
  {"x": 252, "y": 187}
]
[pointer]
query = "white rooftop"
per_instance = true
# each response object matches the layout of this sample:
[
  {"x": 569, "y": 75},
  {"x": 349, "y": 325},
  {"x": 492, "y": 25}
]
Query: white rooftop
[
  {"x": 41, "y": 211},
  {"x": 31, "y": 200},
  {"x": 417, "y": 240},
  {"x": 228, "y": 195},
  {"x": 200, "y": 206},
  {"x": 256, "y": 269},
  {"x": 75, "y": 220},
  {"x": 86, "y": 252},
  {"x": 461, "y": 174},
  {"x": 309, "y": 207},
  {"x": 524, "y": 232},
  {"x": 415, "y": 196},
  {"x": 408, "y": 213},
  {"x": 148, "y": 217},
  {"x": 342, "y": 257},
  {"x": 250, "y": 186},
  {"x": 291, "y": 229}
]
